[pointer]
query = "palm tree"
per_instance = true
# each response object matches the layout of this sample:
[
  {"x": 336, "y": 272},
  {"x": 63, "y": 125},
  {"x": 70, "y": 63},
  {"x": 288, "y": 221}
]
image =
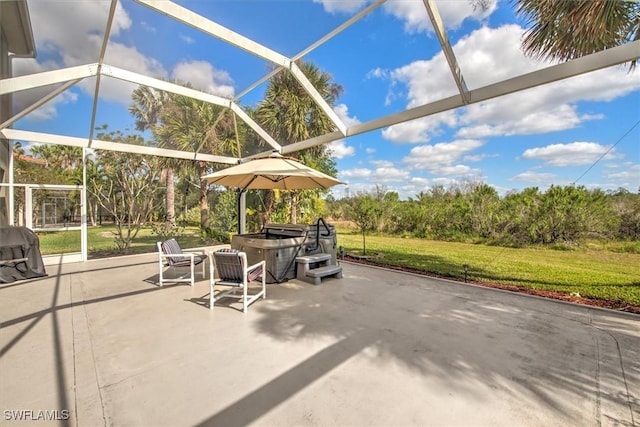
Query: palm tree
[
  {"x": 62, "y": 157},
  {"x": 146, "y": 107},
  {"x": 198, "y": 126},
  {"x": 567, "y": 29},
  {"x": 18, "y": 149},
  {"x": 290, "y": 114}
]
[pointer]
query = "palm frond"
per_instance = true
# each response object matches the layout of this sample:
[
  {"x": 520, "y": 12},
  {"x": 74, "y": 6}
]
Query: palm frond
[{"x": 561, "y": 30}]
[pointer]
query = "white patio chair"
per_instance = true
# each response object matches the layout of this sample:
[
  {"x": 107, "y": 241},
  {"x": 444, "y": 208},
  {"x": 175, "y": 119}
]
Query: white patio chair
[
  {"x": 171, "y": 255},
  {"x": 231, "y": 268}
]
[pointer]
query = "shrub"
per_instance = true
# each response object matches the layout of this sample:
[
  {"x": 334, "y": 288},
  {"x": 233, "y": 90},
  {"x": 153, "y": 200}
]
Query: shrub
[
  {"x": 216, "y": 235},
  {"x": 192, "y": 217},
  {"x": 632, "y": 247},
  {"x": 165, "y": 232}
]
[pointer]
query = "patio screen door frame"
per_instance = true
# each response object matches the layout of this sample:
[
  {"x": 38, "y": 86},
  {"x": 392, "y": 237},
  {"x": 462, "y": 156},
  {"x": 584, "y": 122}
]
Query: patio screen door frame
[{"x": 29, "y": 223}]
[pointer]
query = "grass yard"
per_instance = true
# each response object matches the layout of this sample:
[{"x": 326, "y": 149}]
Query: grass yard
[
  {"x": 100, "y": 241},
  {"x": 587, "y": 272}
]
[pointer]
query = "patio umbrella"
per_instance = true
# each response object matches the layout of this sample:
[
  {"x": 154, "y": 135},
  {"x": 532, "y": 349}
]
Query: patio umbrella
[{"x": 274, "y": 172}]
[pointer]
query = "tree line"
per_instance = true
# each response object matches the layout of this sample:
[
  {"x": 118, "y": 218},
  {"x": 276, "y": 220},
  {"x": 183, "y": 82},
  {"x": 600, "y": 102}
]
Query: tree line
[{"x": 474, "y": 211}]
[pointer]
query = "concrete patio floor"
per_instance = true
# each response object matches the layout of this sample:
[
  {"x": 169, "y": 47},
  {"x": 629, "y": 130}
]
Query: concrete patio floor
[{"x": 100, "y": 340}]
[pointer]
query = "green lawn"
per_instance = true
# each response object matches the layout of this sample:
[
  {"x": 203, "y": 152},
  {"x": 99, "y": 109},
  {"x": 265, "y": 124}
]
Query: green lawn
[
  {"x": 589, "y": 272},
  {"x": 101, "y": 241}
]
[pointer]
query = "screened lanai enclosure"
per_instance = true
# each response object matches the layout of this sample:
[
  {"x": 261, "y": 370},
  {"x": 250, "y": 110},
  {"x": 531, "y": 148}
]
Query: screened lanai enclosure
[{"x": 69, "y": 68}]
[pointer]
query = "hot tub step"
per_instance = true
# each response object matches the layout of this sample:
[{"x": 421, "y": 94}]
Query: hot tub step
[
  {"x": 310, "y": 259},
  {"x": 312, "y": 268},
  {"x": 328, "y": 270}
]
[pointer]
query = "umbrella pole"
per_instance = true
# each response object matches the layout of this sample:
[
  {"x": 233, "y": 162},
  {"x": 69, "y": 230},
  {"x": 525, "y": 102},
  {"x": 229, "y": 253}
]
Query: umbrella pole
[{"x": 242, "y": 211}]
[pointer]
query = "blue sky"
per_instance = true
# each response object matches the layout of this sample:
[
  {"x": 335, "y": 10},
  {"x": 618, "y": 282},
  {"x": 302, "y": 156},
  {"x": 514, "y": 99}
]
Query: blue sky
[{"x": 386, "y": 62}]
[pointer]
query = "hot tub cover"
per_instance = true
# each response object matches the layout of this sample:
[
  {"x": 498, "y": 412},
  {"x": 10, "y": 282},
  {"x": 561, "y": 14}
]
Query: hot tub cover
[{"x": 17, "y": 243}]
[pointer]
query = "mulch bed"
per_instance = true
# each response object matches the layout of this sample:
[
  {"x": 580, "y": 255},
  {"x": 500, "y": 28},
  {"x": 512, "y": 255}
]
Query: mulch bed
[{"x": 596, "y": 302}]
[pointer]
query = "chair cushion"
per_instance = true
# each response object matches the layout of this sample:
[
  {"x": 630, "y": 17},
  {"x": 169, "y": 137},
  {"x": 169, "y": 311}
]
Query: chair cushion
[
  {"x": 227, "y": 251},
  {"x": 253, "y": 274},
  {"x": 229, "y": 265},
  {"x": 186, "y": 261},
  {"x": 171, "y": 247}
]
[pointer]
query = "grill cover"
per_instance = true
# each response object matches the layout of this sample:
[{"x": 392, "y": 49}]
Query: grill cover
[{"x": 16, "y": 243}]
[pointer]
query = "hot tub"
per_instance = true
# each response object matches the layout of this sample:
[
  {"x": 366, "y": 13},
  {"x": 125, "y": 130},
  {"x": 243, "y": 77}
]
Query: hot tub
[{"x": 279, "y": 245}]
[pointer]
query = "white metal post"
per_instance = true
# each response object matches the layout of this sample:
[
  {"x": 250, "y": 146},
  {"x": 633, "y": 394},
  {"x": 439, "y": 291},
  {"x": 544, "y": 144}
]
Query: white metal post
[
  {"x": 12, "y": 206},
  {"x": 83, "y": 209},
  {"x": 242, "y": 212},
  {"x": 28, "y": 207}
]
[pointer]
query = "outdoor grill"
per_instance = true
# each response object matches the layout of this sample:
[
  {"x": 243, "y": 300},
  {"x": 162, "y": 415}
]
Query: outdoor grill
[{"x": 279, "y": 245}]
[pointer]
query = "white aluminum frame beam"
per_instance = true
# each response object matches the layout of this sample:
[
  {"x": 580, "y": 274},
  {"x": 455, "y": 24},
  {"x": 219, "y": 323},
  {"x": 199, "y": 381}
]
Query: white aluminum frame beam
[
  {"x": 103, "y": 51},
  {"x": 166, "y": 86},
  {"x": 38, "y": 103},
  {"x": 214, "y": 29},
  {"x": 46, "y": 78},
  {"x": 311, "y": 90},
  {"x": 438, "y": 27},
  {"x": 255, "y": 126},
  {"x": 595, "y": 61},
  {"x": 218, "y": 31},
  {"x": 76, "y": 74},
  {"x": 47, "y": 138},
  {"x": 133, "y": 77},
  {"x": 316, "y": 44}
]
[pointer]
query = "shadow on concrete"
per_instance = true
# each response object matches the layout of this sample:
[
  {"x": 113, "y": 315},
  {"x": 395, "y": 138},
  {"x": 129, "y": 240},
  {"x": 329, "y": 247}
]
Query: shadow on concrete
[{"x": 457, "y": 339}]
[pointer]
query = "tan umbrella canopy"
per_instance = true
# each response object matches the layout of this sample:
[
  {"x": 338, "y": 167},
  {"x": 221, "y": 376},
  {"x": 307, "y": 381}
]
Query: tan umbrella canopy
[{"x": 274, "y": 172}]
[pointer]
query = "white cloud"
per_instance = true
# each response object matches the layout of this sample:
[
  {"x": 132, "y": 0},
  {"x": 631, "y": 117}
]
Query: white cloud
[
  {"x": 23, "y": 99},
  {"x": 342, "y": 6},
  {"x": 556, "y": 118},
  {"x": 378, "y": 73},
  {"x": 70, "y": 36},
  {"x": 50, "y": 110},
  {"x": 129, "y": 58},
  {"x": 65, "y": 31},
  {"x": 629, "y": 178},
  {"x": 343, "y": 113},
  {"x": 489, "y": 55},
  {"x": 478, "y": 157},
  {"x": 187, "y": 39},
  {"x": 537, "y": 178},
  {"x": 382, "y": 163},
  {"x": 370, "y": 150},
  {"x": 382, "y": 175},
  {"x": 420, "y": 181},
  {"x": 148, "y": 27},
  {"x": 203, "y": 76},
  {"x": 453, "y": 13},
  {"x": 426, "y": 81},
  {"x": 356, "y": 173},
  {"x": 339, "y": 149},
  {"x": 419, "y": 130},
  {"x": 573, "y": 154},
  {"x": 456, "y": 170},
  {"x": 442, "y": 158}
]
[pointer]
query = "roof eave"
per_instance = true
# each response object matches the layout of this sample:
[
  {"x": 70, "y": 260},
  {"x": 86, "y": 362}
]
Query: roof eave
[{"x": 16, "y": 26}]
